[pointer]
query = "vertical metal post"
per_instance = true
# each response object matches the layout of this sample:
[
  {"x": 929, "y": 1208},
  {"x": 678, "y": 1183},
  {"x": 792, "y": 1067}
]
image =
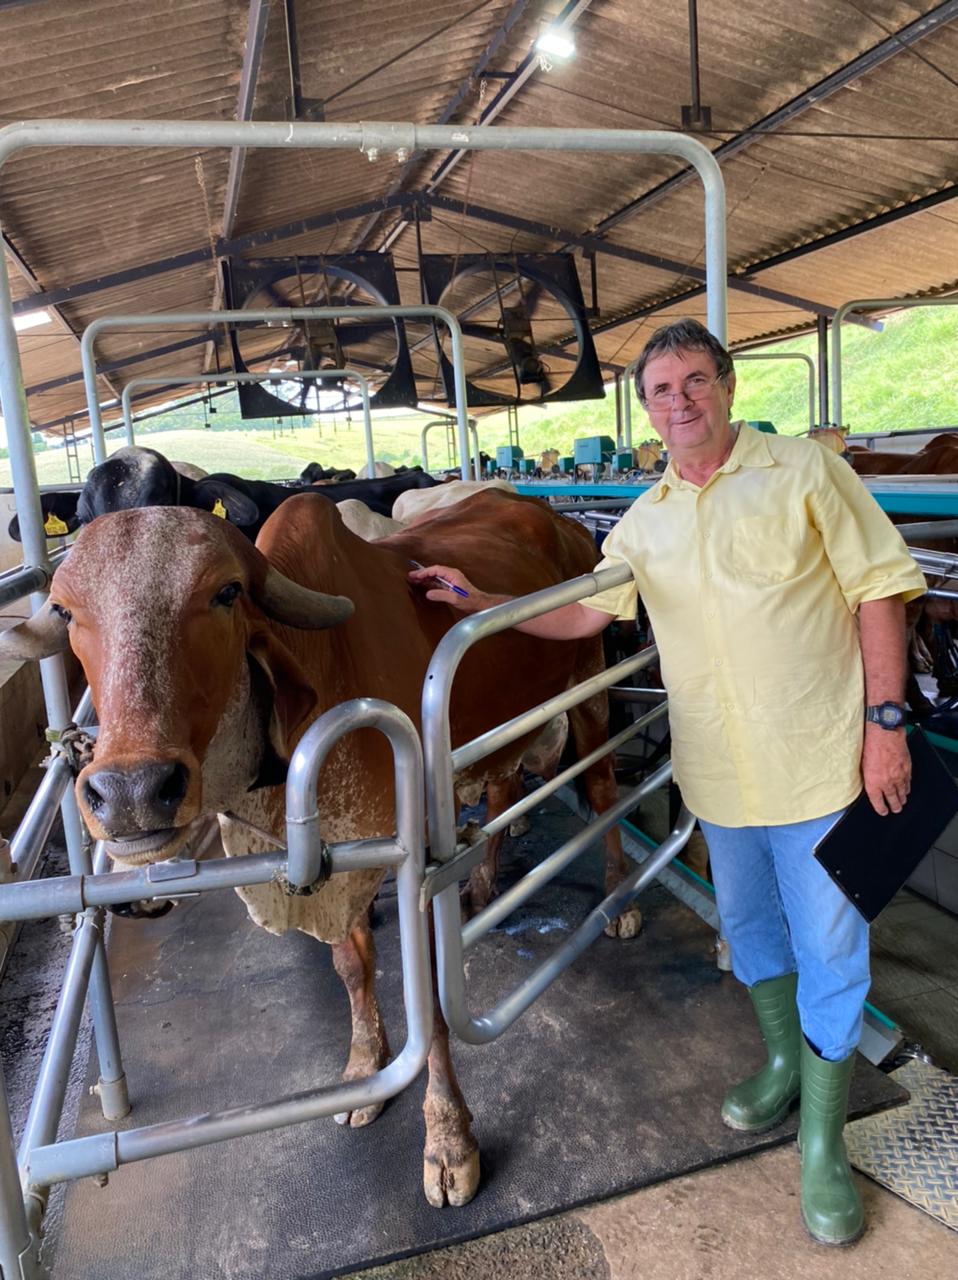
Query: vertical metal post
[
  {"x": 18, "y": 1247},
  {"x": 618, "y": 411},
  {"x": 821, "y": 325}
]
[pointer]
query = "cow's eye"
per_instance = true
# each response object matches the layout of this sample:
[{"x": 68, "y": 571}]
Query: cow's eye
[
  {"x": 226, "y": 595},
  {"x": 59, "y": 610}
]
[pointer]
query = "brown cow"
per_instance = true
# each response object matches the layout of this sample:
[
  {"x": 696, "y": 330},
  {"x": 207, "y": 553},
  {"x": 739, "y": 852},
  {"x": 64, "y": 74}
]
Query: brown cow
[
  {"x": 206, "y": 667},
  {"x": 938, "y": 458}
]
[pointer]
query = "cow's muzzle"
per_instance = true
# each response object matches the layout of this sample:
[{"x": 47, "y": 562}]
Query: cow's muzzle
[{"x": 135, "y": 809}]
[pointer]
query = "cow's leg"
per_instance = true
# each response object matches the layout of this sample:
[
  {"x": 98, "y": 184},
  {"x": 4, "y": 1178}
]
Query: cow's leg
[
  {"x": 450, "y": 1168},
  {"x": 589, "y": 722},
  {"x": 355, "y": 962},
  {"x": 481, "y": 887}
]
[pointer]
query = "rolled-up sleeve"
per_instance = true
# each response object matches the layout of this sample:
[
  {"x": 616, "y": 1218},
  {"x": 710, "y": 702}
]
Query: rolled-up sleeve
[
  {"x": 867, "y": 553},
  {"x": 621, "y": 601}
]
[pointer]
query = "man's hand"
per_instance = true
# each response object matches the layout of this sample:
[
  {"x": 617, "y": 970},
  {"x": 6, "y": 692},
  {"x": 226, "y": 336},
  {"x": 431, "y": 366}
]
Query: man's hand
[
  {"x": 886, "y": 768},
  {"x": 437, "y": 576}
]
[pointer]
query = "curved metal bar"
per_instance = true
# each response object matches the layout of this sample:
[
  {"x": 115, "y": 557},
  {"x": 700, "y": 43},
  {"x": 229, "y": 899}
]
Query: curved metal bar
[
  {"x": 441, "y": 422},
  {"x": 788, "y": 355},
  {"x": 441, "y": 763},
  {"x": 189, "y": 380},
  {"x": 867, "y": 304},
  {"x": 437, "y": 689},
  {"x": 57, "y": 1162},
  {"x": 274, "y": 315}
]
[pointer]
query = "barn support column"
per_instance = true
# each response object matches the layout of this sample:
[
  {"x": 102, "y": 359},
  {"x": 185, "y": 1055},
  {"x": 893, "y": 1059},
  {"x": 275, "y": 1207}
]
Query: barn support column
[{"x": 821, "y": 324}]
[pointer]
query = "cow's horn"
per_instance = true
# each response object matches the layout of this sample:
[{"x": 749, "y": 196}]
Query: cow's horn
[
  {"x": 41, "y": 636},
  {"x": 286, "y": 601}
]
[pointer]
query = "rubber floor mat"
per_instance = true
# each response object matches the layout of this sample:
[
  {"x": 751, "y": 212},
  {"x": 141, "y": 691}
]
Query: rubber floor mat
[{"x": 611, "y": 1081}]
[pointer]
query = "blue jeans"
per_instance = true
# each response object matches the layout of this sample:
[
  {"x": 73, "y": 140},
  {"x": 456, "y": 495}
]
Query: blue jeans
[{"x": 782, "y": 914}]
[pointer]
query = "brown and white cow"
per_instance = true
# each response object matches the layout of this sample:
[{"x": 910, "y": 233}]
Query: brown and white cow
[{"x": 208, "y": 658}]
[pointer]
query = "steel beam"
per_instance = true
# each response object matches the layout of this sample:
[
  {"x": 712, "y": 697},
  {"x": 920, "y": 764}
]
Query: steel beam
[
  {"x": 450, "y": 109},
  {"x": 249, "y": 74},
  {"x": 854, "y": 70},
  {"x": 514, "y": 82},
  {"x": 594, "y": 244},
  {"x": 111, "y": 366},
  {"x": 223, "y": 248}
]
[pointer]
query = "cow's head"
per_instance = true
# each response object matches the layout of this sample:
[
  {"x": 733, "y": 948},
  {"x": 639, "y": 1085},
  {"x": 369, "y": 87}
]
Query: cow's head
[
  {"x": 197, "y": 698},
  {"x": 136, "y": 477},
  {"x": 59, "y": 515}
]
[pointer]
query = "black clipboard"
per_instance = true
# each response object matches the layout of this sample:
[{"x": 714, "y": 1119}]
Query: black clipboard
[{"x": 869, "y": 856}]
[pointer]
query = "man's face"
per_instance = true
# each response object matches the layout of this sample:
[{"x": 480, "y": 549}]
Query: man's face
[{"x": 685, "y": 423}]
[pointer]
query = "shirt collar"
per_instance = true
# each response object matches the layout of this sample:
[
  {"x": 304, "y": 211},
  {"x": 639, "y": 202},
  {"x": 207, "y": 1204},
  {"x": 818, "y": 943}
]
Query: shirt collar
[{"x": 749, "y": 450}]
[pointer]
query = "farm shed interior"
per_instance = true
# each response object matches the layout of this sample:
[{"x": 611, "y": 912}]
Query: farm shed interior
[{"x": 834, "y": 128}]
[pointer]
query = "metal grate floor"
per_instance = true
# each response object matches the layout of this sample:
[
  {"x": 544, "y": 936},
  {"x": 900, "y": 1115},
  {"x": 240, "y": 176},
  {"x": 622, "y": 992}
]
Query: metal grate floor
[{"x": 913, "y": 1150}]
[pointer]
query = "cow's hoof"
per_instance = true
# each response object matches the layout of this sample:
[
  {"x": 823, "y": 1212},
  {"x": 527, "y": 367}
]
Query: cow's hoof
[
  {"x": 521, "y": 827},
  {"x": 627, "y": 925},
  {"x": 450, "y": 1180},
  {"x": 357, "y": 1119}
]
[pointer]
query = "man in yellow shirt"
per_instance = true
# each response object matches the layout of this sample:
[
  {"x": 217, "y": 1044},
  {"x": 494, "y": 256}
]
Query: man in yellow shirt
[{"x": 776, "y": 589}]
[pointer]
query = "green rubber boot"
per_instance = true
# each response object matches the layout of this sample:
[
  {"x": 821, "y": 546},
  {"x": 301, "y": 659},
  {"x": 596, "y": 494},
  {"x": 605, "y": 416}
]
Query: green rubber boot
[
  {"x": 831, "y": 1206},
  {"x": 763, "y": 1100}
]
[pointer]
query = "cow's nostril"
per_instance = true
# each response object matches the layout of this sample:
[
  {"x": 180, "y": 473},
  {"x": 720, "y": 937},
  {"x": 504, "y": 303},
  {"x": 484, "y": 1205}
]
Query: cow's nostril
[
  {"x": 173, "y": 787},
  {"x": 93, "y": 798}
]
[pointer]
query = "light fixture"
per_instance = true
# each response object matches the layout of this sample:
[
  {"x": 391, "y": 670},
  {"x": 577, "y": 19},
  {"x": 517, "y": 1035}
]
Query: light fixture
[
  {"x": 556, "y": 43},
  {"x": 30, "y": 319}
]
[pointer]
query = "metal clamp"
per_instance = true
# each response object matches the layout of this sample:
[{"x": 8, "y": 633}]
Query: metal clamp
[
  {"x": 75, "y": 744},
  {"x": 325, "y": 870},
  {"x": 469, "y": 853}
]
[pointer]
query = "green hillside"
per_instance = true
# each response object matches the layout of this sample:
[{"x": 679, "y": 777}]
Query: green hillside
[{"x": 900, "y": 378}]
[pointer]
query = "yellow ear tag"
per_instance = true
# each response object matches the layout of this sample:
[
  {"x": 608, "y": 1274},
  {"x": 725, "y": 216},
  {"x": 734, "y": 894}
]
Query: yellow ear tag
[
  {"x": 54, "y": 527},
  {"x": 219, "y": 509}
]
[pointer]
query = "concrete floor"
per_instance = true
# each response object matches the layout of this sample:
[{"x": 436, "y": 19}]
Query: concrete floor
[{"x": 736, "y": 1221}]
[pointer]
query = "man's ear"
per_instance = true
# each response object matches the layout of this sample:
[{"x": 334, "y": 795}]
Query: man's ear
[
  {"x": 281, "y": 686},
  {"x": 222, "y": 499},
  {"x": 730, "y": 385}
]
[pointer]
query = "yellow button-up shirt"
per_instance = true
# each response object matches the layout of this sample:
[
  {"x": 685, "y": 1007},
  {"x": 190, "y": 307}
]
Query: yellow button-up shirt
[{"x": 752, "y": 583}]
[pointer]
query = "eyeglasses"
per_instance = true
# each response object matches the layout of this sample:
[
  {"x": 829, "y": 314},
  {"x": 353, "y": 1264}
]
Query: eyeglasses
[{"x": 696, "y": 387}]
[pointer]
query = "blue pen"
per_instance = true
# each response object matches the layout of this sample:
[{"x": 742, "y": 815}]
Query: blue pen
[{"x": 443, "y": 582}]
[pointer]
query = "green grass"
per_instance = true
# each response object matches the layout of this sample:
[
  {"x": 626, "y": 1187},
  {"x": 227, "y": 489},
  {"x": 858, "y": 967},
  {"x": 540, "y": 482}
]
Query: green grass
[{"x": 898, "y": 379}]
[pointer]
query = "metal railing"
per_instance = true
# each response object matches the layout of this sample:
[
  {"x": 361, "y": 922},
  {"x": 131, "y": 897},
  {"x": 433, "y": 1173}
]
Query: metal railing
[
  {"x": 43, "y": 1161},
  {"x": 453, "y": 863},
  {"x": 274, "y": 316},
  {"x": 316, "y": 375},
  {"x": 867, "y": 304},
  {"x": 443, "y": 422}
]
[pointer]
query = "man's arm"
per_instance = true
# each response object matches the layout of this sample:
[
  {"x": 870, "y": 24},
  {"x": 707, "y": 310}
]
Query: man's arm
[
  {"x": 570, "y": 622},
  {"x": 886, "y": 764}
]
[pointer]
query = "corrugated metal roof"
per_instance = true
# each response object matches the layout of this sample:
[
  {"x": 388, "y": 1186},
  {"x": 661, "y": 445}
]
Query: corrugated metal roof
[{"x": 77, "y": 217}]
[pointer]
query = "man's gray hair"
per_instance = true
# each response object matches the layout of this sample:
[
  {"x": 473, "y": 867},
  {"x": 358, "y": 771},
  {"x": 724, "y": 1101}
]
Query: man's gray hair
[{"x": 682, "y": 335}]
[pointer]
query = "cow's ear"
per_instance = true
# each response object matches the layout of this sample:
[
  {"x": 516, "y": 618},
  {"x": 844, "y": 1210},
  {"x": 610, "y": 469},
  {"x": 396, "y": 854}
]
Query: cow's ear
[
  {"x": 282, "y": 688},
  {"x": 223, "y": 500},
  {"x": 54, "y": 524}
]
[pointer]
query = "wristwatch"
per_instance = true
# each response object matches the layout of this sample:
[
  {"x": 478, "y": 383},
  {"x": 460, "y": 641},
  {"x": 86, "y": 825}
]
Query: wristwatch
[{"x": 890, "y": 715}]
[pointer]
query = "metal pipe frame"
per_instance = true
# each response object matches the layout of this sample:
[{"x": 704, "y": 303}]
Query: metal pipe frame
[
  {"x": 867, "y": 304},
  {"x": 788, "y": 355},
  {"x": 549, "y": 788},
  {"x": 277, "y": 315},
  {"x": 441, "y": 422},
  {"x": 48, "y": 1163},
  {"x": 16, "y": 584},
  {"x": 441, "y": 765},
  {"x": 188, "y": 380}
]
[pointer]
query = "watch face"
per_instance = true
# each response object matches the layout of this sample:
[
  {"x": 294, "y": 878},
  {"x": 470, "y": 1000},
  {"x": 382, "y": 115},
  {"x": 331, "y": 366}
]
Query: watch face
[{"x": 890, "y": 716}]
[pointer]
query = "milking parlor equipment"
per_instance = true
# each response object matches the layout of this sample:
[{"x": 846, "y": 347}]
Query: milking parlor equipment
[{"x": 25, "y": 1176}]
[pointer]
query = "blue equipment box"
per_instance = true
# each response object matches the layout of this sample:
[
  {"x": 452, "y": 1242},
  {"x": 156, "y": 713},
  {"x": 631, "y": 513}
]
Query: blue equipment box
[
  {"x": 508, "y": 457},
  {"x": 593, "y": 450}
]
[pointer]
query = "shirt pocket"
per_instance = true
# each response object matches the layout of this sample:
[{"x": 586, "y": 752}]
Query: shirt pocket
[{"x": 766, "y": 550}]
